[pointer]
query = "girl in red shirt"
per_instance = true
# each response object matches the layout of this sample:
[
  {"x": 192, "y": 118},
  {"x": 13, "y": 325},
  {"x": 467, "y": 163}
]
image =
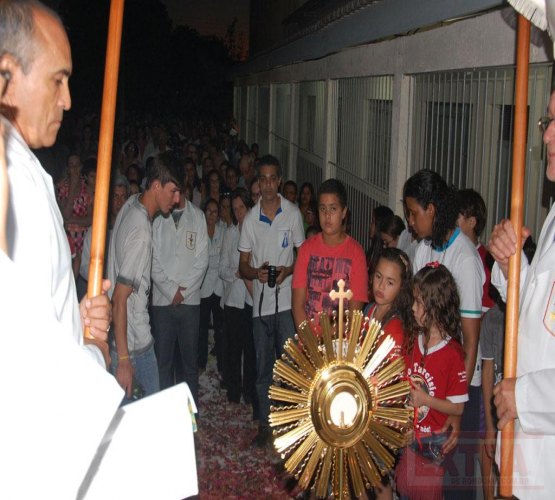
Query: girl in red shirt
[
  {"x": 434, "y": 361},
  {"x": 391, "y": 289},
  {"x": 392, "y": 295}
]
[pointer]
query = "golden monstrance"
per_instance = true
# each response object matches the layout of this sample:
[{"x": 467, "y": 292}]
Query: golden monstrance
[{"x": 340, "y": 408}]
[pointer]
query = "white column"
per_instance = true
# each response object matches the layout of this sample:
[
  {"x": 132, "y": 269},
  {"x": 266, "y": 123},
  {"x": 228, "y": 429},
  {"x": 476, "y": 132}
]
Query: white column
[
  {"x": 293, "y": 132},
  {"x": 400, "y": 140}
]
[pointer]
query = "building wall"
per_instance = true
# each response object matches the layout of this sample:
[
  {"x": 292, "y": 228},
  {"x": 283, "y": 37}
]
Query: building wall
[{"x": 471, "y": 49}]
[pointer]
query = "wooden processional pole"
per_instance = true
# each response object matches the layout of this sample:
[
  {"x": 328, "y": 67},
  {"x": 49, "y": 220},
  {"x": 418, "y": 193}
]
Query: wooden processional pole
[
  {"x": 517, "y": 220},
  {"x": 105, "y": 143}
]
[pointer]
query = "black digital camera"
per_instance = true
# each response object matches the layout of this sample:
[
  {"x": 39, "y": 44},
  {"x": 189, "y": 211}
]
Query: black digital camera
[
  {"x": 272, "y": 275},
  {"x": 137, "y": 390}
]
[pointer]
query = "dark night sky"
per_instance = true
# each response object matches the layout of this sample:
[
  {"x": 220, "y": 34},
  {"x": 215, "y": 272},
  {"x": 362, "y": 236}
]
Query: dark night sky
[
  {"x": 148, "y": 36},
  {"x": 209, "y": 17}
]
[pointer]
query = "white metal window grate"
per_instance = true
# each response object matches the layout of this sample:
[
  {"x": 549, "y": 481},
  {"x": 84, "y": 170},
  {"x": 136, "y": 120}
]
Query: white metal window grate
[
  {"x": 360, "y": 204},
  {"x": 364, "y": 107},
  {"x": 311, "y": 117},
  {"x": 242, "y": 118},
  {"x": 263, "y": 119},
  {"x": 252, "y": 93},
  {"x": 363, "y": 148},
  {"x": 280, "y": 128},
  {"x": 308, "y": 171},
  {"x": 462, "y": 128}
]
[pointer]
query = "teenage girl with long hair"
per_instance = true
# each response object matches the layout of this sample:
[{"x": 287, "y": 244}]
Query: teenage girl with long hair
[{"x": 432, "y": 209}]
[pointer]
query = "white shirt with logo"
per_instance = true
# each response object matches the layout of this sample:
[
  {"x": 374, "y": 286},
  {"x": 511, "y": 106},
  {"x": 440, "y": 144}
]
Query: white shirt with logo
[
  {"x": 272, "y": 242},
  {"x": 179, "y": 257}
]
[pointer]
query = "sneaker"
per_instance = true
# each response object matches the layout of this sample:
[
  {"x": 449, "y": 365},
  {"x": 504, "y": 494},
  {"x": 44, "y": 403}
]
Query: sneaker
[{"x": 263, "y": 437}]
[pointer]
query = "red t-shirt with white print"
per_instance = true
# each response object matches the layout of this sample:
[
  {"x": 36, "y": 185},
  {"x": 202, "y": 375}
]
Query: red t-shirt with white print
[
  {"x": 442, "y": 375},
  {"x": 394, "y": 328},
  {"x": 319, "y": 267}
]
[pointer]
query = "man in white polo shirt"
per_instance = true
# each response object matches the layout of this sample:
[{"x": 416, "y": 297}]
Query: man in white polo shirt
[
  {"x": 179, "y": 263},
  {"x": 129, "y": 266},
  {"x": 271, "y": 230}
]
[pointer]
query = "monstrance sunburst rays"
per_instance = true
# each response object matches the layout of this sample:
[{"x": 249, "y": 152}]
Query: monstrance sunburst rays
[{"x": 341, "y": 412}]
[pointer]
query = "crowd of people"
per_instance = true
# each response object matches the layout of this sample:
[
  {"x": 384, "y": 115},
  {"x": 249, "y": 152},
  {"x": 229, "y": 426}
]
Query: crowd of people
[
  {"x": 205, "y": 232},
  {"x": 226, "y": 244}
]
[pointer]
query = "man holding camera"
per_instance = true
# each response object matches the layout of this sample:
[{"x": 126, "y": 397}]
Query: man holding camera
[{"x": 271, "y": 230}]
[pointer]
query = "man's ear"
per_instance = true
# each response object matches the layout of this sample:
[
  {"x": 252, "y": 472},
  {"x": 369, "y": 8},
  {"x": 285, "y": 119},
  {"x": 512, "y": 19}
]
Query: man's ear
[
  {"x": 8, "y": 65},
  {"x": 6, "y": 75}
]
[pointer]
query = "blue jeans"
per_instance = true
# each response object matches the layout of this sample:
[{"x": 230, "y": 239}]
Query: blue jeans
[
  {"x": 269, "y": 339},
  {"x": 430, "y": 447},
  {"x": 146, "y": 371},
  {"x": 177, "y": 323}
]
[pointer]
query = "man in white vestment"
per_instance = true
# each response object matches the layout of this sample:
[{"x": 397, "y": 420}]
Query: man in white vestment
[
  {"x": 35, "y": 58},
  {"x": 529, "y": 398}
]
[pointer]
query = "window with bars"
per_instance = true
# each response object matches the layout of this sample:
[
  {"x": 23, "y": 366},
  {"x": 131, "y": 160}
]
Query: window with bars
[
  {"x": 263, "y": 119},
  {"x": 242, "y": 118},
  {"x": 364, "y": 127},
  {"x": 308, "y": 171},
  {"x": 460, "y": 125},
  {"x": 462, "y": 128},
  {"x": 311, "y": 119},
  {"x": 308, "y": 122},
  {"x": 378, "y": 142},
  {"x": 252, "y": 93},
  {"x": 280, "y": 129},
  {"x": 282, "y": 111},
  {"x": 448, "y": 129}
]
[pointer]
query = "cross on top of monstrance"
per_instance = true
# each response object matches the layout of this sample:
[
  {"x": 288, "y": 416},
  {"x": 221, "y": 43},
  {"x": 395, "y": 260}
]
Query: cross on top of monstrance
[
  {"x": 339, "y": 415},
  {"x": 341, "y": 294}
]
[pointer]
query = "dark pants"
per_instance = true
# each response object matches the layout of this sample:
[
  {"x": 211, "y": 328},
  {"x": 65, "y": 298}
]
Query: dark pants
[
  {"x": 240, "y": 365},
  {"x": 210, "y": 305},
  {"x": 461, "y": 474},
  {"x": 179, "y": 322}
]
